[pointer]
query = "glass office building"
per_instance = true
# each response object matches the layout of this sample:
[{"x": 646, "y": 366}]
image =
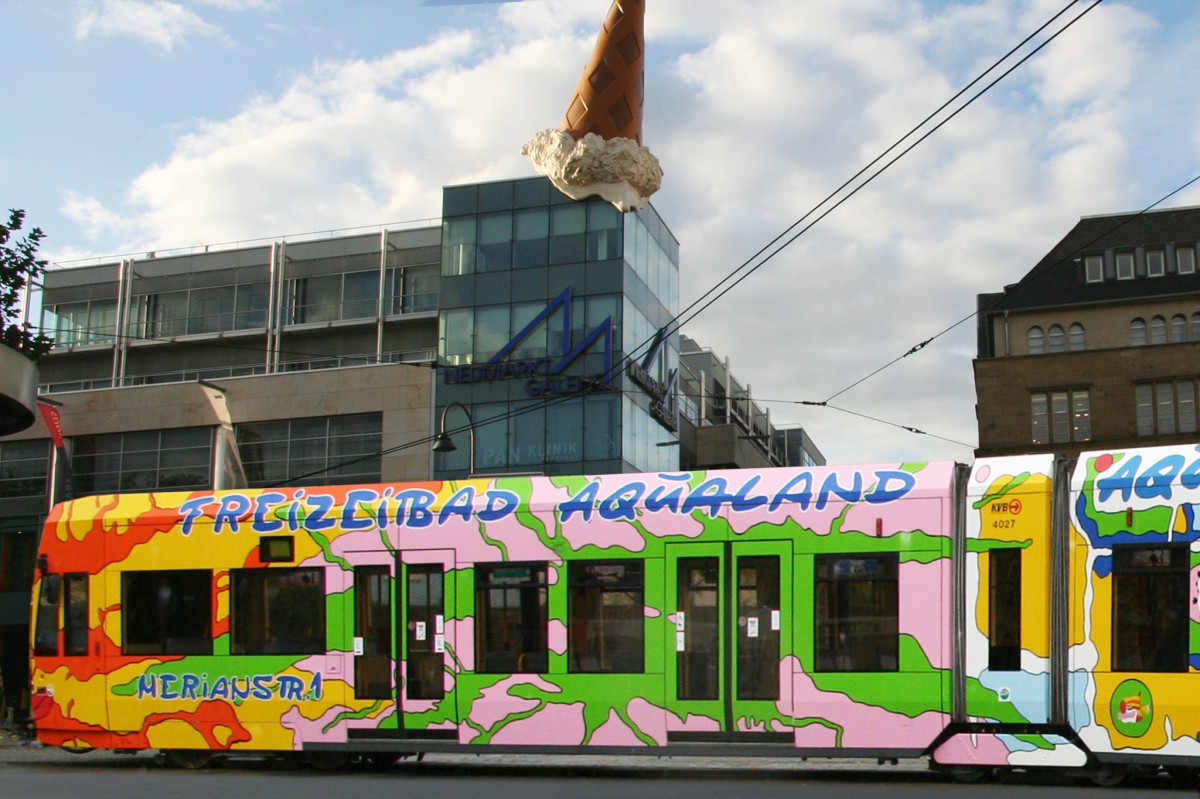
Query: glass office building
[{"x": 549, "y": 318}]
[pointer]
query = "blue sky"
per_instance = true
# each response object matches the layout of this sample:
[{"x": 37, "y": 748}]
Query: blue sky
[{"x": 137, "y": 125}]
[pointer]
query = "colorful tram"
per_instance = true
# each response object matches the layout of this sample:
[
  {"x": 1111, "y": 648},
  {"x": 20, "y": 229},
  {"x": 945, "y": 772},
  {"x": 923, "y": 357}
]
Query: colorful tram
[{"x": 1024, "y": 612}]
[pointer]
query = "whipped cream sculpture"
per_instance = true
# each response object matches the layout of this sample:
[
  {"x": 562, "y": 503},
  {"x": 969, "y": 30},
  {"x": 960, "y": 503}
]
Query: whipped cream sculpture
[{"x": 597, "y": 149}]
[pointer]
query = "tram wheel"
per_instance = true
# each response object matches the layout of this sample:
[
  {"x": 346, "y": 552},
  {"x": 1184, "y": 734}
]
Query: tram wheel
[
  {"x": 327, "y": 761},
  {"x": 969, "y": 774},
  {"x": 187, "y": 758},
  {"x": 1109, "y": 776}
]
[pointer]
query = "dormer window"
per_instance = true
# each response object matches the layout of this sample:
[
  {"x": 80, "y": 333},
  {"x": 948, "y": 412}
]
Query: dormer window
[
  {"x": 1093, "y": 268},
  {"x": 1185, "y": 260},
  {"x": 1124, "y": 265},
  {"x": 1156, "y": 263}
]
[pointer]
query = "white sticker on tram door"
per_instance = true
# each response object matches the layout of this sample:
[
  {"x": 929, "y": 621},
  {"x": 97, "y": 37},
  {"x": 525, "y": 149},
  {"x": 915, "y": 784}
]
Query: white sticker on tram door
[
  {"x": 680, "y": 641},
  {"x": 420, "y": 631},
  {"x": 439, "y": 624},
  {"x": 775, "y": 624},
  {"x": 439, "y": 643},
  {"x": 752, "y": 627},
  {"x": 679, "y": 626}
]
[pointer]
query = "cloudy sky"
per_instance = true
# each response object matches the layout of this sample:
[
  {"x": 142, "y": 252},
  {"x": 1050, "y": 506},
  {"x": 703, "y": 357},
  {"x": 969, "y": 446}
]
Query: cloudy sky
[{"x": 135, "y": 125}]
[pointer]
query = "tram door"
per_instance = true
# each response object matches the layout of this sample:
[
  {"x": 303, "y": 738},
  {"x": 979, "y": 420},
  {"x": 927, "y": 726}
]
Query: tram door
[
  {"x": 425, "y": 643},
  {"x": 403, "y": 642},
  {"x": 732, "y": 625}
]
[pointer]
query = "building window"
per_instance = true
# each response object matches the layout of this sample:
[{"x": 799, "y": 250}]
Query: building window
[
  {"x": 606, "y": 616},
  {"x": 1158, "y": 330},
  {"x": 1165, "y": 407},
  {"x": 81, "y": 323},
  {"x": 277, "y": 611},
  {"x": 412, "y": 289},
  {"x": 1185, "y": 260},
  {"x": 511, "y": 618},
  {"x": 312, "y": 451},
  {"x": 1076, "y": 338},
  {"x": 18, "y": 552},
  {"x": 1137, "y": 332},
  {"x": 1156, "y": 263},
  {"x": 1124, "y": 266},
  {"x": 142, "y": 461},
  {"x": 166, "y": 612},
  {"x": 1060, "y": 416},
  {"x": 24, "y": 468},
  {"x": 1056, "y": 338},
  {"x": 857, "y": 612},
  {"x": 1196, "y": 327},
  {"x": 1150, "y": 598},
  {"x": 1179, "y": 328},
  {"x": 1036, "y": 339},
  {"x": 1093, "y": 268}
]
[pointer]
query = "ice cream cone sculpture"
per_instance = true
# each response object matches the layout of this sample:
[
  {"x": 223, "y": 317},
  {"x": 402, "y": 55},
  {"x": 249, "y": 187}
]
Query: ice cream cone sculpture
[{"x": 597, "y": 150}]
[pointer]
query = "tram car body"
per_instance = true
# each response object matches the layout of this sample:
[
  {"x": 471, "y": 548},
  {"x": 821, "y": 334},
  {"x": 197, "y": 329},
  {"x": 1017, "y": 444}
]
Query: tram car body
[{"x": 1023, "y": 612}]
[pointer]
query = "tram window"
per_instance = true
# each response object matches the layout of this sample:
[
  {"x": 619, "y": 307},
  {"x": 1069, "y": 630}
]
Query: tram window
[
  {"x": 75, "y": 614},
  {"x": 857, "y": 612},
  {"x": 1150, "y": 608},
  {"x": 425, "y": 663},
  {"x": 278, "y": 611},
  {"x": 511, "y": 618},
  {"x": 606, "y": 616},
  {"x": 1004, "y": 610},
  {"x": 45, "y": 626},
  {"x": 372, "y": 625},
  {"x": 166, "y": 612}
]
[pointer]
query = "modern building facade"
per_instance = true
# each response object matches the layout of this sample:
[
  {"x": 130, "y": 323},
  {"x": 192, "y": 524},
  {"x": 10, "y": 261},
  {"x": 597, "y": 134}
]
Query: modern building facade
[
  {"x": 1099, "y": 344},
  {"x": 526, "y": 325}
]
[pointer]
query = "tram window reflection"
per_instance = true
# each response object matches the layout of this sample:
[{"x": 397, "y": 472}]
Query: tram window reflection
[
  {"x": 857, "y": 612},
  {"x": 606, "y": 616},
  {"x": 1150, "y": 608}
]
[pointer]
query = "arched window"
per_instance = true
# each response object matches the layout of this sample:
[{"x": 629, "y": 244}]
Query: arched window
[
  {"x": 1035, "y": 340},
  {"x": 1179, "y": 328},
  {"x": 1056, "y": 338},
  {"x": 1076, "y": 338},
  {"x": 1137, "y": 332},
  {"x": 1196, "y": 327},
  {"x": 1158, "y": 330}
]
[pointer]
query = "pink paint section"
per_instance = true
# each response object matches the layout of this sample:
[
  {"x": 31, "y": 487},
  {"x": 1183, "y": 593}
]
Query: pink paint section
[
  {"x": 496, "y": 703},
  {"x": 692, "y": 723},
  {"x": 816, "y": 736},
  {"x": 322, "y": 729},
  {"x": 651, "y": 613},
  {"x": 557, "y": 637},
  {"x": 1195, "y": 598},
  {"x": 863, "y": 726},
  {"x": 650, "y": 719},
  {"x": 614, "y": 732},
  {"x": 972, "y": 750},
  {"x": 555, "y": 723},
  {"x": 925, "y": 608}
]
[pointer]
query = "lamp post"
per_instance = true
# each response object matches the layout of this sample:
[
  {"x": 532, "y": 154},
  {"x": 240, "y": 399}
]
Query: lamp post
[{"x": 443, "y": 443}]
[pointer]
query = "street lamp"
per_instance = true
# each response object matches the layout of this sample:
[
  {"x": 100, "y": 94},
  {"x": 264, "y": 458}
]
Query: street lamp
[{"x": 443, "y": 443}]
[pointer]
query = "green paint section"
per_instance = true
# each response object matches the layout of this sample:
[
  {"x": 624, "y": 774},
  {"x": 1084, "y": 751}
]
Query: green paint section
[
  {"x": 348, "y": 715},
  {"x": 918, "y": 689},
  {"x": 322, "y": 541},
  {"x": 984, "y": 703},
  {"x": 979, "y": 545},
  {"x": 1016, "y": 482}
]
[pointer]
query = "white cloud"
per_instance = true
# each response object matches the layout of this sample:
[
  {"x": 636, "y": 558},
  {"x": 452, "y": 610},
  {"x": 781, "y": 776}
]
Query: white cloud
[
  {"x": 159, "y": 22},
  {"x": 756, "y": 113}
]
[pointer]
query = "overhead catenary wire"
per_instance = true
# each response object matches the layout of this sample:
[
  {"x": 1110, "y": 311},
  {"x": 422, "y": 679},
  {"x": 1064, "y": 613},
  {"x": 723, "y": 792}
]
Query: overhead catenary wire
[{"x": 773, "y": 248}]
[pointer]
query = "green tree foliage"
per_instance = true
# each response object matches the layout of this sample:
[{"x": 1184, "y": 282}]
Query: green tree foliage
[{"x": 19, "y": 264}]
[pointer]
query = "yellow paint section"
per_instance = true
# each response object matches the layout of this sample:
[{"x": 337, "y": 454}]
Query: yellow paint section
[
  {"x": 1020, "y": 516},
  {"x": 1173, "y": 698},
  {"x": 82, "y": 700},
  {"x": 175, "y": 734},
  {"x": 221, "y": 734}
]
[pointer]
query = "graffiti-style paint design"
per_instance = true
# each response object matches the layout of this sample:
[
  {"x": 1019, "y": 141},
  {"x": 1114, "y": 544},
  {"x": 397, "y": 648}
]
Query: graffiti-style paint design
[
  {"x": 109, "y": 697},
  {"x": 1054, "y": 673}
]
